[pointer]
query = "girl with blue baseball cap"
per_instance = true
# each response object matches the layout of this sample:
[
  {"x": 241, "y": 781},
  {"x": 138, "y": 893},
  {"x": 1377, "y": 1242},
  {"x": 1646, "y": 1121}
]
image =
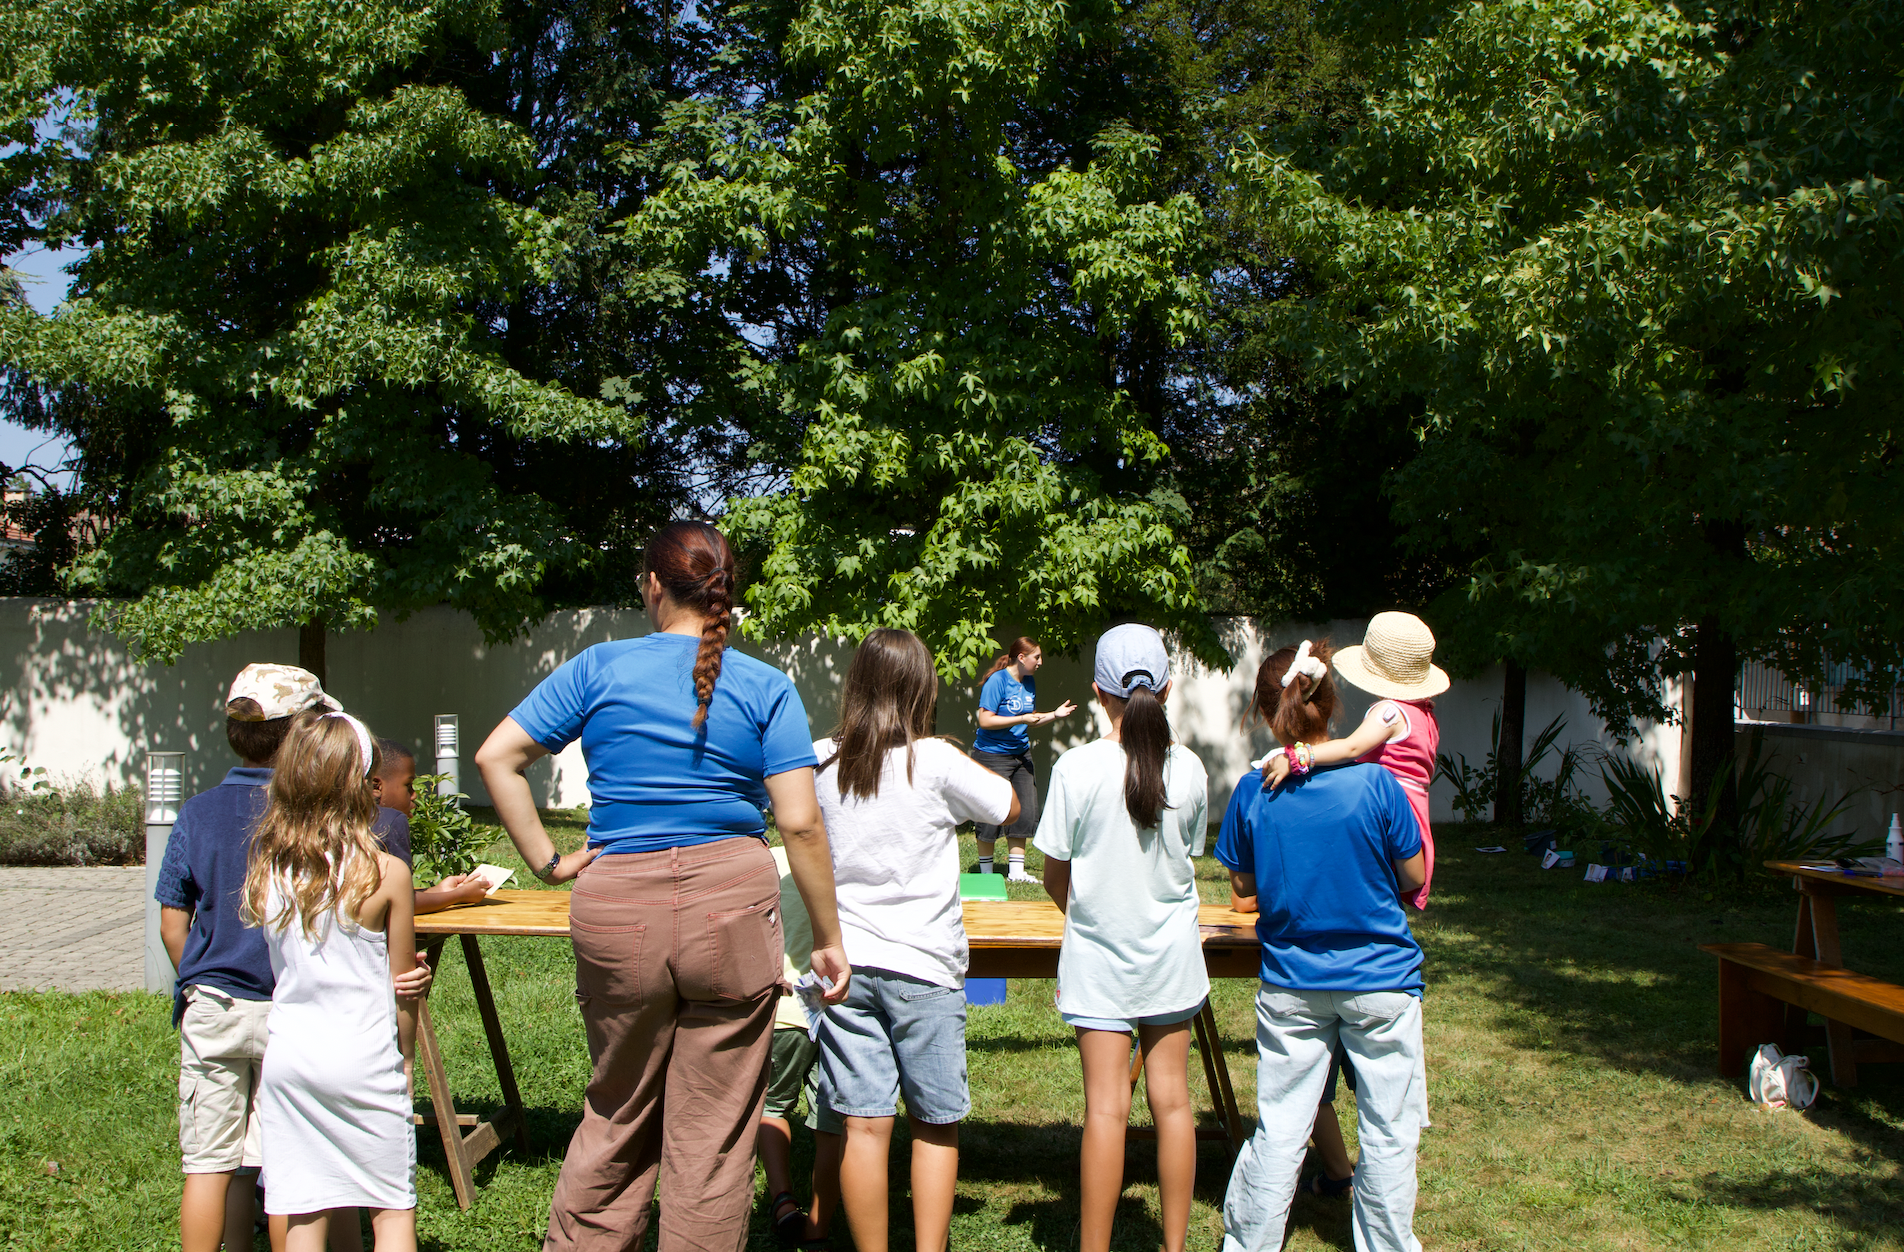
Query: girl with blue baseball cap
[{"x": 1120, "y": 817}]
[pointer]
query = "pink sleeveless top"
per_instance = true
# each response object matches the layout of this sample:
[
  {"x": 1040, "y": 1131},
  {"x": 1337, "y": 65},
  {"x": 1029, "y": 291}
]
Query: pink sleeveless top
[{"x": 1411, "y": 760}]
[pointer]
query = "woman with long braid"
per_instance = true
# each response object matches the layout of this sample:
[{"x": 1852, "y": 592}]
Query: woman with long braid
[{"x": 674, "y": 915}]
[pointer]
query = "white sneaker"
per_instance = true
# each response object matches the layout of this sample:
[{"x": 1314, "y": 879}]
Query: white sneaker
[{"x": 1018, "y": 874}]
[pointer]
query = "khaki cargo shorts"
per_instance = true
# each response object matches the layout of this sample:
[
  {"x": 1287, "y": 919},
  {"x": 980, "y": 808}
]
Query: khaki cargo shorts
[{"x": 221, "y": 1054}]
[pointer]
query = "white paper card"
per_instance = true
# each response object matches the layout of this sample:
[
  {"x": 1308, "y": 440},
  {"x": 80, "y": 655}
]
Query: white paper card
[{"x": 492, "y": 877}]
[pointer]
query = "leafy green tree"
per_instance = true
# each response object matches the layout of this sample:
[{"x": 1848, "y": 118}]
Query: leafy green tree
[
  {"x": 1285, "y": 484},
  {"x": 343, "y": 340},
  {"x": 1636, "y": 264},
  {"x": 933, "y": 265}
]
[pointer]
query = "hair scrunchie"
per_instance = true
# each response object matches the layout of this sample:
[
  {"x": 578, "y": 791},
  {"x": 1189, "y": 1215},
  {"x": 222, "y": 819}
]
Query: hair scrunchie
[
  {"x": 1306, "y": 664},
  {"x": 362, "y": 731}
]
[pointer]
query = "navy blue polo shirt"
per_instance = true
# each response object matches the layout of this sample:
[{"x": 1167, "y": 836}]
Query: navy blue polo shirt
[
  {"x": 204, "y": 873},
  {"x": 392, "y": 829}
]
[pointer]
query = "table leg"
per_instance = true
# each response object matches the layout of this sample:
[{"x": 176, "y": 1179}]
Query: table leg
[
  {"x": 498, "y": 1046},
  {"x": 1218, "y": 1071},
  {"x": 1803, "y": 944},
  {"x": 462, "y": 1151},
  {"x": 443, "y": 1105},
  {"x": 1824, "y": 945},
  {"x": 1817, "y": 938}
]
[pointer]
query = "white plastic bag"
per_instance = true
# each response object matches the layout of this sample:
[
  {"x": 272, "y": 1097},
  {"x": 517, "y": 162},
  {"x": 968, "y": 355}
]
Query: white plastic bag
[{"x": 1779, "y": 1081}]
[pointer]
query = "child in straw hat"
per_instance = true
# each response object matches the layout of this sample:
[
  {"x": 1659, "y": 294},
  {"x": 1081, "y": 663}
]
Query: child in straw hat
[{"x": 1399, "y": 732}]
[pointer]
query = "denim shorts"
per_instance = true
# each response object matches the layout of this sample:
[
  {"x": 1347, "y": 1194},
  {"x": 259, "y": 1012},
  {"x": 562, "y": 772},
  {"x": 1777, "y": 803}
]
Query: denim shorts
[
  {"x": 895, "y": 1035},
  {"x": 1129, "y": 1025}
]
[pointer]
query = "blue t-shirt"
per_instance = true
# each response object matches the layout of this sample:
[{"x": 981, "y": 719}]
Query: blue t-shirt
[
  {"x": 1323, "y": 848},
  {"x": 204, "y": 872},
  {"x": 1008, "y": 697},
  {"x": 653, "y": 780}
]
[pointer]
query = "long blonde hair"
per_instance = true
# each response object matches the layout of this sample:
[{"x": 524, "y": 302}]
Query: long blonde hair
[{"x": 315, "y": 836}]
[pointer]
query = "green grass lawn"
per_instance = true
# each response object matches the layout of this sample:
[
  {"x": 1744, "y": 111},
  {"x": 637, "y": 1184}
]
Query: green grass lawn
[{"x": 1571, "y": 1034}]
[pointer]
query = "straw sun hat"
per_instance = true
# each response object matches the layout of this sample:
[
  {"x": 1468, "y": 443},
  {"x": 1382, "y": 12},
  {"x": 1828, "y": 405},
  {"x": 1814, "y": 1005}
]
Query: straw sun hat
[{"x": 1393, "y": 659}]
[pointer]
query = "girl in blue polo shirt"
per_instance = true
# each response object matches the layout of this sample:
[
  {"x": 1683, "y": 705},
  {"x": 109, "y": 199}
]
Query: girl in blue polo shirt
[{"x": 1007, "y": 695}]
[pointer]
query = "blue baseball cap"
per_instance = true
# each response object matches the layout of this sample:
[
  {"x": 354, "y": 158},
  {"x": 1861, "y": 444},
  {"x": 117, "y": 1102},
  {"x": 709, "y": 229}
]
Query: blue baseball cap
[{"x": 1129, "y": 657}]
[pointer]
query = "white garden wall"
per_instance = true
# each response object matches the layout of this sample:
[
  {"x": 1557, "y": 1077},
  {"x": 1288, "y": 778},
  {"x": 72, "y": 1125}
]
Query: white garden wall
[
  {"x": 1829, "y": 762},
  {"x": 75, "y": 703}
]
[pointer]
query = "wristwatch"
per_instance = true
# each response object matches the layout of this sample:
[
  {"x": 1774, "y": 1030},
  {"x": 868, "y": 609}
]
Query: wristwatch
[{"x": 555, "y": 858}]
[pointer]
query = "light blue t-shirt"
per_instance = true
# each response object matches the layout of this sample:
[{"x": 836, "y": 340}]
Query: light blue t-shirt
[
  {"x": 653, "y": 780},
  {"x": 1322, "y": 848},
  {"x": 1008, "y": 697}
]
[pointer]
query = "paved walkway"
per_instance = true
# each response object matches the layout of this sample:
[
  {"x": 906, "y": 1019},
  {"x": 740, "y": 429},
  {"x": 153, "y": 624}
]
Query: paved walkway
[{"x": 72, "y": 929}]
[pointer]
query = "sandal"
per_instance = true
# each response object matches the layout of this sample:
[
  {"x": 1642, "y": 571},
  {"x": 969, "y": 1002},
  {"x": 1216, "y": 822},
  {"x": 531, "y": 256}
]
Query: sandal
[
  {"x": 1329, "y": 1188},
  {"x": 790, "y": 1229}
]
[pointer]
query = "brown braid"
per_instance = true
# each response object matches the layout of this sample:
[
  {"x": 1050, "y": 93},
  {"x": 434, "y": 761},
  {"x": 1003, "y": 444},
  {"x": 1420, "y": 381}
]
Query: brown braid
[
  {"x": 707, "y": 662},
  {"x": 696, "y": 569}
]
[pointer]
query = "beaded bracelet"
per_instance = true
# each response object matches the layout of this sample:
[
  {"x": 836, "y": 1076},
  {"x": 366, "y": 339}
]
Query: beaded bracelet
[{"x": 1301, "y": 758}]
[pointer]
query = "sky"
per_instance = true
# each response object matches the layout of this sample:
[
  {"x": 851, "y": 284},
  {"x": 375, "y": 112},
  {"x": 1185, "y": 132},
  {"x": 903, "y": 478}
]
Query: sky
[{"x": 45, "y": 287}]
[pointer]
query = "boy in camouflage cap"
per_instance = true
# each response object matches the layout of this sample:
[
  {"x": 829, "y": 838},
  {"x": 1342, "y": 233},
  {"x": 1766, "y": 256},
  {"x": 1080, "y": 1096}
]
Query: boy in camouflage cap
[{"x": 275, "y": 693}]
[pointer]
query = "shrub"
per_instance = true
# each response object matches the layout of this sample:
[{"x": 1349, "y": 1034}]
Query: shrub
[
  {"x": 444, "y": 838},
  {"x": 73, "y": 825}
]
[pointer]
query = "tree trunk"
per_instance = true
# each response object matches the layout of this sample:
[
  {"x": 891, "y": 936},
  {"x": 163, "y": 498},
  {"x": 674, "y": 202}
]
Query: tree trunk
[
  {"x": 1715, "y": 678},
  {"x": 1507, "y": 753},
  {"x": 311, "y": 647}
]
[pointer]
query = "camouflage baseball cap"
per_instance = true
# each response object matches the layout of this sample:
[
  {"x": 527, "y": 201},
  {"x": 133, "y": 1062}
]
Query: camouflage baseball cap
[{"x": 278, "y": 690}]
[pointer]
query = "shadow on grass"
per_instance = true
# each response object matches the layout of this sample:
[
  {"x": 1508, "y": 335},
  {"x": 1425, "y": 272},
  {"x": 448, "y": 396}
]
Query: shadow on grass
[
  {"x": 1016, "y": 1043},
  {"x": 1613, "y": 973}
]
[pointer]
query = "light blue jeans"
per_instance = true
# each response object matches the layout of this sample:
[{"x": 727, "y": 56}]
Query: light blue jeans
[{"x": 1295, "y": 1033}]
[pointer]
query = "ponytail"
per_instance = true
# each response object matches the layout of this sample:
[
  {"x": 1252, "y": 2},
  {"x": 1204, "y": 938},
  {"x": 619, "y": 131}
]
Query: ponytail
[
  {"x": 1301, "y": 710},
  {"x": 696, "y": 569},
  {"x": 1145, "y": 734}
]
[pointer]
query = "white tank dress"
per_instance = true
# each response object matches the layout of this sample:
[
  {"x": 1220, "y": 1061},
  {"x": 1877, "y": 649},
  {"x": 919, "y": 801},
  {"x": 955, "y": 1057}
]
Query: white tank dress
[{"x": 333, "y": 1106}]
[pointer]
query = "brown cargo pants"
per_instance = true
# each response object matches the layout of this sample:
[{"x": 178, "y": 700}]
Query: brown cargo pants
[{"x": 677, "y": 965}]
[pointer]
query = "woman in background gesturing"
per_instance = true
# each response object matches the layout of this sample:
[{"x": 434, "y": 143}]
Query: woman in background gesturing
[
  {"x": 674, "y": 918},
  {"x": 1007, "y": 691}
]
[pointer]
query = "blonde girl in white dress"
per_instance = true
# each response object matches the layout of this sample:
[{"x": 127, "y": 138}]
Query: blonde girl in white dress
[{"x": 334, "y": 1092}]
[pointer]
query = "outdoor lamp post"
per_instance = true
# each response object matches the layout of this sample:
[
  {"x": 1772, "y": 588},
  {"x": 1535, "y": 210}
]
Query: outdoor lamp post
[
  {"x": 164, "y": 792},
  {"x": 446, "y": 755}
]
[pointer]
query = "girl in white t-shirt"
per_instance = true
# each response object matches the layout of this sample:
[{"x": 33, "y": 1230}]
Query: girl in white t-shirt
[
  {"x": 1119, "y": 819},
  {"x": 893, "y": 798}
]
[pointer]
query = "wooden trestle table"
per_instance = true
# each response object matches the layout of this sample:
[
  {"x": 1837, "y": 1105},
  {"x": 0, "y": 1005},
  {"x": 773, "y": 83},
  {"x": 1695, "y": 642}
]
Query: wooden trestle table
[
  {"x": 1817, "y": 938},
  {"x": 1008, "y": 938}
]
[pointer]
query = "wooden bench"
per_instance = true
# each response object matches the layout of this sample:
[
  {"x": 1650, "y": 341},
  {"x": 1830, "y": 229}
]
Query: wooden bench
[{"x": 1756, "y": 983}]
